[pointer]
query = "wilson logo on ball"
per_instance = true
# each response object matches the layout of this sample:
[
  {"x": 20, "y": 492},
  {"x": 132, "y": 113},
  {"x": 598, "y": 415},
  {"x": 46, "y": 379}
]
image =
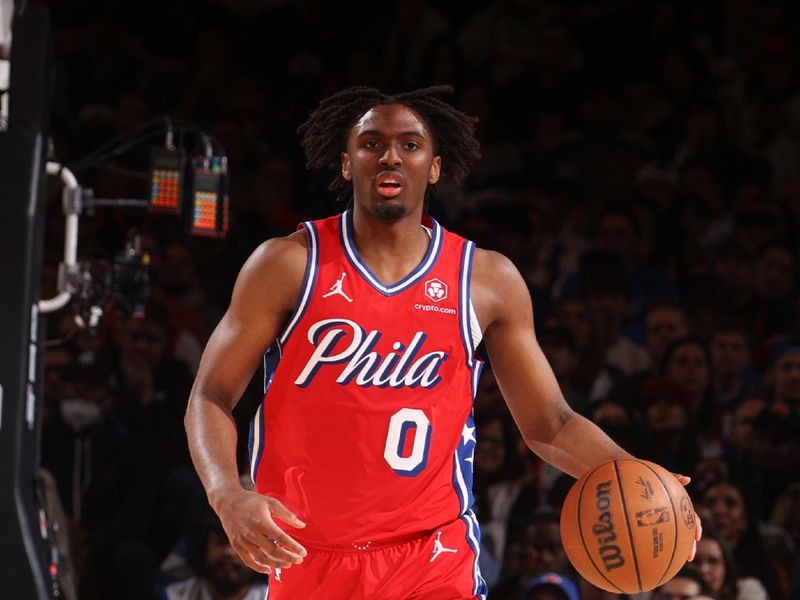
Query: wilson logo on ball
[
  {"x": 436, "y": 289},
  {"x": 603, "y": 529}
]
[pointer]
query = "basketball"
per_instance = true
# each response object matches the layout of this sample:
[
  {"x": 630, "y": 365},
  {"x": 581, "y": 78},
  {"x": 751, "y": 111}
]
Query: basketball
[{"x": 627, "y": 526}]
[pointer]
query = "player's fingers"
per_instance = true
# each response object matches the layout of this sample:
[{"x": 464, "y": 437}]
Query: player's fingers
[
  {"x": 284, "y": 514},
  {"x": 268, "y": 555},
  {"x": 698, "y": 528},
  {"x": 685, "y": 480},
  {"x": 248, "y": 559},
  {"x": 280, "y": 545},
  {"x": 693, "y": 552},
  {"x": 278, "y": 552}
]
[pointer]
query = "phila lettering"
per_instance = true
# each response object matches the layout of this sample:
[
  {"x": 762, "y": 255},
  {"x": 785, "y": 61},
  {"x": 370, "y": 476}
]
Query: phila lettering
[{"x": 405, "y": 366}]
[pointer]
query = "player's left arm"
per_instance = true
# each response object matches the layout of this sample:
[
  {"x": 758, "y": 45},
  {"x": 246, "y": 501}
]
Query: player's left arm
[{"x": 548, "y": 425}]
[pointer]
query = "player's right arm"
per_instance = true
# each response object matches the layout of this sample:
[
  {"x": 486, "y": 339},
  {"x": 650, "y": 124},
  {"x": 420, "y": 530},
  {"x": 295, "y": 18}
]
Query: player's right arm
[{"x": 264, "y": 296}]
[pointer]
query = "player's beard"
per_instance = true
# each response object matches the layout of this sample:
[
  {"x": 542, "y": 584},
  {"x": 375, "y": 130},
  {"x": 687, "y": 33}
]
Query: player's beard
[{"x": 389, "y": 211}]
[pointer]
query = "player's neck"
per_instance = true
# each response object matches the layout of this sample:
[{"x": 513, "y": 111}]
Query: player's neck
[
  {"x": 392, "y": 249},
  {"x": 399, "y": 235}
]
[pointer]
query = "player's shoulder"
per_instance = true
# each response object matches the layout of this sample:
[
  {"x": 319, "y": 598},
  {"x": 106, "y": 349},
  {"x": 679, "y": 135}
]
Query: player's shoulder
[
  {"x": 273, "y": 274},
  {"x": 497, "y": 287},
  {"x": 282, "y": 254},
  {"x": 492, "y": 268}
]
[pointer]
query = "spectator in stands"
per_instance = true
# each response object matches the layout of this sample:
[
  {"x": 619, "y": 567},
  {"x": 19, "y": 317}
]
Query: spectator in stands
[
  {"x": 605, "y": 281},
  {"x": 686, "y": 585},
  {"x": 106, "y": 483},
  {"x": 785, "y": 376},
  {"x": 573, "y": 314},
  {"x": 551, "y": 586},
  {"x": 733, "y": 265},
  {"x": 559, "y": 348},
  {"x": 670, "y": 436},
  {"x": 218, "y": 572},
  {"x": 151, "y": 389},
  {"x": 739, "y": 527},
  {"x": 687, "y": 362},
  {"x": 714, "y": 560},
  {"x": 775, "y": 286},
  {"x": 618, "y": 421},
  {"x": 535, "y": 548},
  {"x": 664, "y": 322},
  {"x": 731, "y": 365},
  {"x": 502, "y": 488}
]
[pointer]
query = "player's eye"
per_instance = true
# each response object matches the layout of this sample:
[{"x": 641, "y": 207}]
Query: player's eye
[
  {"x": 411, "y": 146},
  {"x": 371, "y": 144}
]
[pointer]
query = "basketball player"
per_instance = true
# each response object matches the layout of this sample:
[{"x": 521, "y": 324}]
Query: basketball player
[{"x": 362, "y": 448}]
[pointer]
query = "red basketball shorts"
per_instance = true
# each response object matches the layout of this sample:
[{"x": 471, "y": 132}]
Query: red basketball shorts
[{"x": 441, "y": 565}]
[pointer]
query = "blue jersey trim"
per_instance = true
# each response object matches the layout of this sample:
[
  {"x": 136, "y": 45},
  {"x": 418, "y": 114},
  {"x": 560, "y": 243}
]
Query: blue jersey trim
[
  {"x": 309, "y": 282},
  {"x": 350, "y": 250},
  {"x": 473, "y": 537}
]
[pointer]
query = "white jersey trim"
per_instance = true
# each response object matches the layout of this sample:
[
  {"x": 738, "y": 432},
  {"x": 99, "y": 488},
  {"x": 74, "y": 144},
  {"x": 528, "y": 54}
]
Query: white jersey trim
[{"x": 309, "y": 280}]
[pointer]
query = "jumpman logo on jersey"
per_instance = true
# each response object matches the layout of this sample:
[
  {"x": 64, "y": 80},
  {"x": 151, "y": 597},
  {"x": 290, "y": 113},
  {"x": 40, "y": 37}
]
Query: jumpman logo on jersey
[
  {"x": 438, "y": 547},
  {"x": 277, "y": 572},
  {"x": 336, "y": 288}
]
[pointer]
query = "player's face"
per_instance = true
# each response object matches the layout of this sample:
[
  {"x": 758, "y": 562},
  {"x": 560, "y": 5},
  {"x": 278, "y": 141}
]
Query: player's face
[{"x": 390, "y": 160}]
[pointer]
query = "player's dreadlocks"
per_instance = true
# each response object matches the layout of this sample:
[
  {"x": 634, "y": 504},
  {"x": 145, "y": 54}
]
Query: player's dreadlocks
[{"x": 324, "y": 134}]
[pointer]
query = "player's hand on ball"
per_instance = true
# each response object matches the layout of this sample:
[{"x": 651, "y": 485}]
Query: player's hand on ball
[
  {"x": 698, "y": 526},
  {"x": 249, "y": 521}
]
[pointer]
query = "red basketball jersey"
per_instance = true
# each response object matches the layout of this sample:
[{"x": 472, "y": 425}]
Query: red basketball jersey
[{"x": 366, "y": 430}]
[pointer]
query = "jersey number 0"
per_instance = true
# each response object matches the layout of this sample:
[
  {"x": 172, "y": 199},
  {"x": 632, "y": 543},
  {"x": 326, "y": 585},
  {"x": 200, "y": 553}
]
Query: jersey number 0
[{"x": 400, "y": 427}]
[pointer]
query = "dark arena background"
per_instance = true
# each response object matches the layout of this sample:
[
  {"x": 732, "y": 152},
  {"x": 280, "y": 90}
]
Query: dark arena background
[{"x": 640, "y": 165}]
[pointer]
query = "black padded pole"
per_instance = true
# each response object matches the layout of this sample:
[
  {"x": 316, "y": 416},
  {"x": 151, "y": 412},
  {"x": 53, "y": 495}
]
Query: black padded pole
[{"x": 24, "y": 553}]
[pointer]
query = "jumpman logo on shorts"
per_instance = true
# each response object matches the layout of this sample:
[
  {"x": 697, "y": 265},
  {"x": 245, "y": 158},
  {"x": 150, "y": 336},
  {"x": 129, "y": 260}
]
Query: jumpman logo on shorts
[
  {"x": 438, "y": 547},
  {"x": 336, "y": 288}
]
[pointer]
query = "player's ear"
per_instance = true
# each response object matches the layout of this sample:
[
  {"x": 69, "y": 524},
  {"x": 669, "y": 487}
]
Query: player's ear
[
  {"x": 346, "y": 166},
  {"x": 436, "y": 170}
]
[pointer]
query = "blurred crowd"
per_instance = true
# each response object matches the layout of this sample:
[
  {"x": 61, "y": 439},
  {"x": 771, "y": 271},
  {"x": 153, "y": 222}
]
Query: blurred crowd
[{"x": 640, "y": 165}]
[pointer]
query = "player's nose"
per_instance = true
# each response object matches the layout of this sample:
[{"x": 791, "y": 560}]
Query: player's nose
[{"x": 391, "y": 157}]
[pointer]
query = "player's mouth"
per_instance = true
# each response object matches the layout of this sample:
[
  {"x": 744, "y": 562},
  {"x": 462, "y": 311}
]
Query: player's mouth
[{"x": 389, "y": 183}]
